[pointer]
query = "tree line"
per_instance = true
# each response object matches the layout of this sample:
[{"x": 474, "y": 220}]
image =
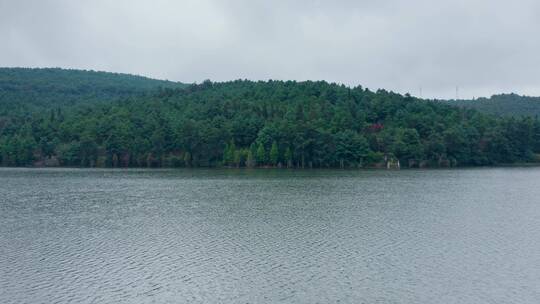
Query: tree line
[{"x": 264, "y": 124}]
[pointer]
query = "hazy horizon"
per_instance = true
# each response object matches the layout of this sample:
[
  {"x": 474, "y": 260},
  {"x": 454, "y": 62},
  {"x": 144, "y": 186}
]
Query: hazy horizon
[{"x": 483, "y": 47}]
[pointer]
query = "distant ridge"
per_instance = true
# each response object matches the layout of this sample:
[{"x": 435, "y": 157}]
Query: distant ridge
[
  {"x": 502, "y": 105},
  {"x": 21, "y": 88}
]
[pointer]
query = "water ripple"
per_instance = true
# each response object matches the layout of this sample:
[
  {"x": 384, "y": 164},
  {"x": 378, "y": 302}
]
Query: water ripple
[{"x": 263, "y": 236}]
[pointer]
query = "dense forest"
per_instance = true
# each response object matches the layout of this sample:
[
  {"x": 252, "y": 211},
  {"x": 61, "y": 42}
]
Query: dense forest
[
  {"x": 501, "y": 105},
  {"x": 129, "y": 121}
]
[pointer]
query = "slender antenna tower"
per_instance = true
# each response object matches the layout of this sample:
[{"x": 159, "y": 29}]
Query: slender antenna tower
[
  {"x": 457, "y": 92},
  {"x": 421, "y": 93}
]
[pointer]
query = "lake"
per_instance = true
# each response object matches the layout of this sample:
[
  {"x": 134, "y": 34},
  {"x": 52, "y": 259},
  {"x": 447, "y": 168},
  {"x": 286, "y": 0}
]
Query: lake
[{"x": 270, "y": 236}]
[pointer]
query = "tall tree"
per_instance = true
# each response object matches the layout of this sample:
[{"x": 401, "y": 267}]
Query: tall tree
[{"x": 274, "y": 154}]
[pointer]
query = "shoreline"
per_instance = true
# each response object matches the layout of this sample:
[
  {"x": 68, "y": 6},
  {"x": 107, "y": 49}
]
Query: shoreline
[{"x": 516, "y": 165}]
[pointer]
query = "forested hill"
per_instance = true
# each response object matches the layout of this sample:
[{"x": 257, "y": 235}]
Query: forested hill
[
  {"x": 502, "y": 105},
  {"x": 266, "y": 124},
  {"x": 25, "y": 89}
]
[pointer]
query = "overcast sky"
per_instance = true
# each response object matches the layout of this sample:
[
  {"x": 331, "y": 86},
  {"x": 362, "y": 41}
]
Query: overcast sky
[{"x": 482, "y": 46}]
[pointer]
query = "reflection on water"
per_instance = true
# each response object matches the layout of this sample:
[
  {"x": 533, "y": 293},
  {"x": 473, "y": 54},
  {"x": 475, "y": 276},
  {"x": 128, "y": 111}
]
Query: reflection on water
[{"x": 266, "y": 236}]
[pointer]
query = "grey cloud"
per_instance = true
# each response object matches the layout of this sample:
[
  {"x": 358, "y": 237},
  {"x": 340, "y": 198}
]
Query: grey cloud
[{"x": 482, "y": 46}]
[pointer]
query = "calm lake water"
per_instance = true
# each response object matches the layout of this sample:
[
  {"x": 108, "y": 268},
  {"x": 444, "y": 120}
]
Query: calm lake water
[{"x": 270, "y": 236}]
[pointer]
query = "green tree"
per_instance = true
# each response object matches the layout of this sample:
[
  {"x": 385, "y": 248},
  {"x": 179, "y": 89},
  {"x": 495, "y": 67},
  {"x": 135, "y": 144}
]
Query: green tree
[
  {"x": 351, "y": 148},
  {"x": 261, "y": 155},
  {"x": 229, "y": 153},
  {"x": 274, "y": 154},
  {"x": 250, "y": 161},
  {"x": 289, "y": 157}
]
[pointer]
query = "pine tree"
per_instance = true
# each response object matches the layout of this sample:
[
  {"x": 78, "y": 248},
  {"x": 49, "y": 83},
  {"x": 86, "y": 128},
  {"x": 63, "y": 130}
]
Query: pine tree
[
  {"x": 187, "y": 159},
  {"x": 261, "y": 155},
  {"x": 229, "y": 153},
  {"x": 250, "y": 162},
  {"x": 288, "y": 157},
  {"x": 238, "y": 157},
  {"x": 226, "y": 156},
  {"x": 274, "y": 154}
]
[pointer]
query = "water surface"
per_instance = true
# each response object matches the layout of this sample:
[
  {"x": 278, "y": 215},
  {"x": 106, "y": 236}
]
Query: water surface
[{"x": 270, "y": 236}]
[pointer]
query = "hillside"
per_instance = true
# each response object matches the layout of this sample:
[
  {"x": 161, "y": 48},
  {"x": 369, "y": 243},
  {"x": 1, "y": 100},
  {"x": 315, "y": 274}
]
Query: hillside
[
  {"x": 265, "y": 124},
  {"x": 502, "y": 105},
  {"x": 25, "y": 89}
]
